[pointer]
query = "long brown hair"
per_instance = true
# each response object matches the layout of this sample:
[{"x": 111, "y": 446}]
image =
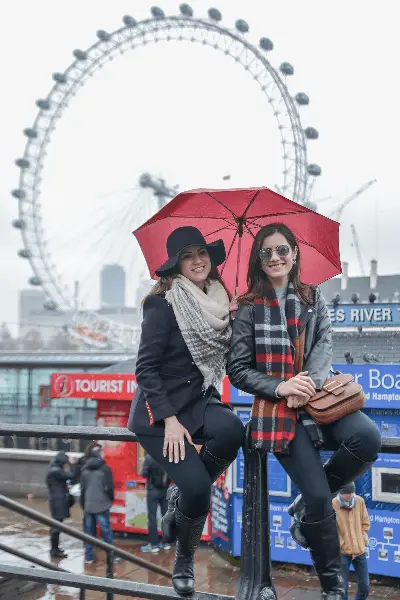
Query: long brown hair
[
  {"x": 258, "y": 284},
  {"x": 164, "y": 284}
]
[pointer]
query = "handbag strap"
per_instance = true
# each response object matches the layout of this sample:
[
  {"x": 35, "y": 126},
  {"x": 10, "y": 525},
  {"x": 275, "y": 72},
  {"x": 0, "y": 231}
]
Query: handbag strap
[{"x": 299, "y": 348}]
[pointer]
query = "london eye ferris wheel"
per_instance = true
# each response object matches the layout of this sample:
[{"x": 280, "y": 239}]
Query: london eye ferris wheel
[{"x": 47, "y": 244}]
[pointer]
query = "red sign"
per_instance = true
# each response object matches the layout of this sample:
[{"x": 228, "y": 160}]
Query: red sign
[{"x": 106, "y": 386}]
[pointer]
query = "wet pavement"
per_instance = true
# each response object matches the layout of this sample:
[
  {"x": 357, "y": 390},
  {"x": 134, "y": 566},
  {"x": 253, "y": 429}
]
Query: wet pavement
[{"x": 213, "y": 572}]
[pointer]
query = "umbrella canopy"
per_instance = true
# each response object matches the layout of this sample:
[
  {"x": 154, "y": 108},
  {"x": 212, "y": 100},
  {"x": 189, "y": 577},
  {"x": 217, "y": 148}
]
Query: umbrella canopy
[{"x": 235, "y": 216}]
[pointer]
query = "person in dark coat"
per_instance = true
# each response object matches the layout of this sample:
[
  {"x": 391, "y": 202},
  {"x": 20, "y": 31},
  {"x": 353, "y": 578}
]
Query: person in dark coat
[
  {"x": 181, "y": 361},
  {"x": 266, "y": 360},
  {"x": 97, "y": 496},
  {"x": 59, "y": 472},
  {"x": 157, "y": 486}
]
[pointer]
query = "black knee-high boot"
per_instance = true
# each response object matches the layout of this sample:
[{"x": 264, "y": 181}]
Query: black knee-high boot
[
  {"x": 215, "y": 467},
  {"x": 342, "y": 468},
  {"x": 324, "y": 547},
  {"x": 188, "y": 538}
]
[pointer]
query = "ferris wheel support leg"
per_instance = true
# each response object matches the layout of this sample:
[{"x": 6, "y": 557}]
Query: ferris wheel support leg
[{"x": 255, "y": 581}]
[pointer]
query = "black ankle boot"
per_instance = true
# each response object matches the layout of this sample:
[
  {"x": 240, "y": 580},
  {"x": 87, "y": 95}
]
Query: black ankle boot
[
  {"x": 188, "y": 538},
  {"x": 55, "y": 551},
  {"x": 168, "y": 526},
  {"x": 215, "y": 466},
  {"x": 324, "y": 546},
  {"x": 342, "y": 468}
]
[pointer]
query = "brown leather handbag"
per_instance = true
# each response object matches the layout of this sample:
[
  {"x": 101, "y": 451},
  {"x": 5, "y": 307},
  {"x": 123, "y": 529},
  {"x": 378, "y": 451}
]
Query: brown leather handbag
[{"x": 340, "y": 396}]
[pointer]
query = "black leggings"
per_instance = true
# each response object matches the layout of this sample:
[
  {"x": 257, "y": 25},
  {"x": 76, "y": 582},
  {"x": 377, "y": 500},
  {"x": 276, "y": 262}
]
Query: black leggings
[
  {"x": 304, "y": 467},
  {"x": 224, "y": 433}
]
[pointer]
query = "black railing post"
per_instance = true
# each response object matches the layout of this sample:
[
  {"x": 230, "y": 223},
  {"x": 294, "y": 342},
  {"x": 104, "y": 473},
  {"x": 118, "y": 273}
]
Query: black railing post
[
  {"x": 82, "y": 594},
  {"x": 110, "y": 571},
  {"x": 255, "y": 581}
]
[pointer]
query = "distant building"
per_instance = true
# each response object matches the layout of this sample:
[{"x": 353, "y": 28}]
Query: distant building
[
  {"x": 112, "y": 286},
  {"x": 30, "y": 302},
  {"x": 385, "y": 288}
]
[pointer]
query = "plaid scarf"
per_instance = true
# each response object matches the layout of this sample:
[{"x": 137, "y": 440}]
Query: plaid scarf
[
  {"x": 204, "y": 322},
  {"x": 273, "y": 424}
]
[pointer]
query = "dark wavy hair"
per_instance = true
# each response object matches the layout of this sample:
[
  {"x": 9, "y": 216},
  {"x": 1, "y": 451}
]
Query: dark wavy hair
[{"x": 258, "y": 284}]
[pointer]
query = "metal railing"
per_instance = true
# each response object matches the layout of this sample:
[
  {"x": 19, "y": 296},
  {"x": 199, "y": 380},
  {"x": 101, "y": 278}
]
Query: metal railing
[{"x": 255, "y": 573}]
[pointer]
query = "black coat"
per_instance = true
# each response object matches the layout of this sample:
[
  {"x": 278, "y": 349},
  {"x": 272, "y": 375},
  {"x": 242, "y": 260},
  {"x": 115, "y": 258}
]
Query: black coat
[
  {"x": 56, "y": 481},
  {"x": 169, "y": 383},
  {"x": 156, "y": 477}
]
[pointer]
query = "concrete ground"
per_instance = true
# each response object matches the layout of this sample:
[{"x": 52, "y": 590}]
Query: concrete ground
[{"x": 213, "y": 572}]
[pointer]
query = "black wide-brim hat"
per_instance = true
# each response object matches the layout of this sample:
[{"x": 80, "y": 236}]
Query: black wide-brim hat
[{"x": 185, "y": 237}]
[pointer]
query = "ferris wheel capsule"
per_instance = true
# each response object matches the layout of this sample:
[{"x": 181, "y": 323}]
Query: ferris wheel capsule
[
  {"x": 302, "y": 99},
  {"x": 266, "y": 44},
  {"x": 23, "y": 163},
  {"x": 242, "y": 26},
  {"x": 19, "y": 194},
  {"x": 215, "y": 14},
  {"x": 129, "y": 21},
  {"x": 35, "y": 281},
  {"x": 186, "y": 10},
  {"x": 43, "y": 104}
]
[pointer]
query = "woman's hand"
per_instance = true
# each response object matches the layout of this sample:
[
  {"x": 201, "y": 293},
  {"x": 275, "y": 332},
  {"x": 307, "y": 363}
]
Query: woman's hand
[
  {"x": 297, "y": 401},
  {"x": 174, "y": 440},
  {"x": 300, "y": 385},
  {"x": 233, "y": 305}
]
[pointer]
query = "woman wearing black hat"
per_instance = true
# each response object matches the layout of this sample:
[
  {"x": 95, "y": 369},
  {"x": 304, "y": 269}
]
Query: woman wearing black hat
[{"x": 181, "y": 361}]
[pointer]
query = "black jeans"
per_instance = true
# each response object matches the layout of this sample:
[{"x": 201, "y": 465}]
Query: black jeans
[
  {"x": 224, "y": 433},
  {"x": 155, "y": 498},
  {"x": 304, "y": 467}
]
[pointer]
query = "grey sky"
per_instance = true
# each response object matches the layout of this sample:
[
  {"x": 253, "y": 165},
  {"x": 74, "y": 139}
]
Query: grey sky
[{"x": 192, "y": 115}]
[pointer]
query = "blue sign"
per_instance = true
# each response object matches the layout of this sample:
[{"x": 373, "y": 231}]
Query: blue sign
[
  {"x": 221, "y": 519},
  {"x": 365, "y": 315},
  {"x": 383, "y": 551},
  {"x": 380, "y": 382}
]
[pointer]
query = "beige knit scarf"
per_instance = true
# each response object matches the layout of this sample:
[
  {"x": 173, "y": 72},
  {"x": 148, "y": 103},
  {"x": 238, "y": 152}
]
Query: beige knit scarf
[{"x": 203, "y": 319}]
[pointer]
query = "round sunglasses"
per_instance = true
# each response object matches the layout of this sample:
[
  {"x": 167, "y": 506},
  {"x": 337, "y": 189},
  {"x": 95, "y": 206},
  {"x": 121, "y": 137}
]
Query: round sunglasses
[{"x": 266, "y": 253}]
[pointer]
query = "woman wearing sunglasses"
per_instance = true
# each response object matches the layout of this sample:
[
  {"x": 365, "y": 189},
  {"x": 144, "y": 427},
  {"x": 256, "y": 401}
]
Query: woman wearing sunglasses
[{"x": 266, "y": 360}]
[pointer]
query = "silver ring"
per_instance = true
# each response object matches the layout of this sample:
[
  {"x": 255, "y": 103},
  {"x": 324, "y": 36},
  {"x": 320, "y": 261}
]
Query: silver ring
[{"x": 182, "y": 442}]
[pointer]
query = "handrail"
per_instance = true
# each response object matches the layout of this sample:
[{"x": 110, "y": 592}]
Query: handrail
[
  {"x": 117, "y": 434},
  {"x": 32, "y": 559},
  {"x": 88, "y": 539},
  {"x": 101, "y": 584}
]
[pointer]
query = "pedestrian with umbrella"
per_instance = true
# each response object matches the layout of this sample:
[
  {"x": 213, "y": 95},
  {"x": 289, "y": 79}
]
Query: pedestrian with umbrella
[
  {"x": 268, "y": 360},
  {"x": 181, "y": 361}
]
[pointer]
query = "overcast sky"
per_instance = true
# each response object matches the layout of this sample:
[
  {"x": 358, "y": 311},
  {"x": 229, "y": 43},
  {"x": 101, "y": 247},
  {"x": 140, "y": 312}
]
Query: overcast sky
[{"x": 192, "y": 115}]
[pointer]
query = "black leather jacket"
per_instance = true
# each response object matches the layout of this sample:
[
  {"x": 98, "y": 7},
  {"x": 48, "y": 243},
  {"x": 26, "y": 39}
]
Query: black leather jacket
[{"x": 241, "y": 368}]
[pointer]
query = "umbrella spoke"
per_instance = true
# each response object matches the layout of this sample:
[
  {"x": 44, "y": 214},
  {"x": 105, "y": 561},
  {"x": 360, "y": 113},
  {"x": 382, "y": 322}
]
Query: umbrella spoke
[
  {"x": 250, "y": 203},
  {"x": 222, "y": 204},
  {"x": 229, "y": 227}
]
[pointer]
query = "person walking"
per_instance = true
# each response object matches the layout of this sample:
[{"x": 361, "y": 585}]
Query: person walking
[
  {"x": 277, "y": 311},
  {"x": 180, "y": 364},
  {"x": 157, "y": 486},
  {"x": 97, "y": 496},
  {"x": 353, "y": 526},
  {"x": 59, "y": 473}
]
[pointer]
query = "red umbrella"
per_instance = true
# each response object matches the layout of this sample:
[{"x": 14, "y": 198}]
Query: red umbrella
[{"x": 235, "y": 216}]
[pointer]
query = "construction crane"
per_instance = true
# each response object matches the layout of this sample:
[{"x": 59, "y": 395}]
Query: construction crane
[
  {"x": 336, "y": 214},
  {"x": 358, "y": 250}
]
